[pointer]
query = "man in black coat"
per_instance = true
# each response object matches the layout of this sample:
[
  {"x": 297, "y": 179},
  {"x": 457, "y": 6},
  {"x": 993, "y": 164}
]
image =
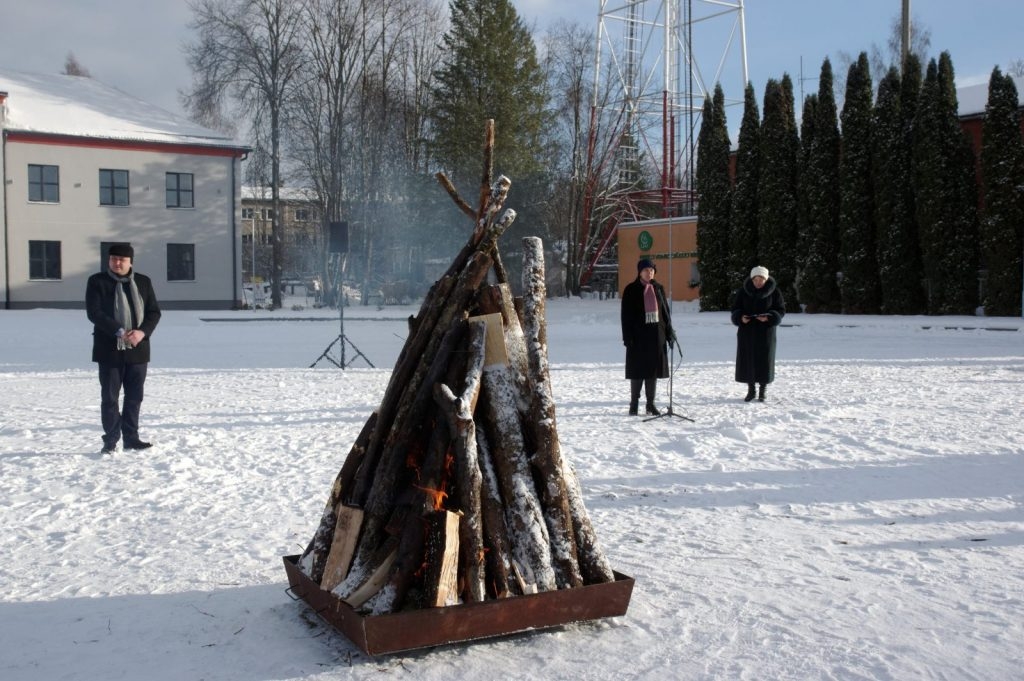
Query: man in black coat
[
  {"x": 122, "y": 306},
  {"x": 756, "y": 310},
  {"x": 646, "y": 328}
]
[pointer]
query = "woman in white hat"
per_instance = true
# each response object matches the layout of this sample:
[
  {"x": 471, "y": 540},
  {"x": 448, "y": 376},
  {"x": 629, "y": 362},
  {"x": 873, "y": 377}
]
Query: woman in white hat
[{"x": 756, "y": 311}]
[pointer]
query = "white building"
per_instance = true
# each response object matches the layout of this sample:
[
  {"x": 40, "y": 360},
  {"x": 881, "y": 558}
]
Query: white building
[{"x": 85, "y": 166}]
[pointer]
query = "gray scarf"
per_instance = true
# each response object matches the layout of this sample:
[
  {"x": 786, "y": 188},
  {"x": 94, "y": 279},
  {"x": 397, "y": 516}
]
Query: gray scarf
[{"x": 121, "y": 312}]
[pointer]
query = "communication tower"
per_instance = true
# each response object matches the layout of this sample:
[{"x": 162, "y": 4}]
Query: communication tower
[{"x": 650, "y": 83}]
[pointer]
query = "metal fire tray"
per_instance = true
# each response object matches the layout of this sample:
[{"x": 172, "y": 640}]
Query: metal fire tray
[{"x": 407, "y": 630}]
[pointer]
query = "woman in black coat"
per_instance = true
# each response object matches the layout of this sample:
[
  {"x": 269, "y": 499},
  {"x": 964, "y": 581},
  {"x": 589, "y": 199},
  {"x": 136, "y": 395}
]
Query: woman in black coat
[
  {"x": 646, "y": 329},
  {"x": 756, "y": 311}
]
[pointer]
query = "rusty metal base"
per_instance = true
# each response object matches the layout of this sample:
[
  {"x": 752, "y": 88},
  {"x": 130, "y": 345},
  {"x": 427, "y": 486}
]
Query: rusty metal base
[{"x": 394, "y": 632}]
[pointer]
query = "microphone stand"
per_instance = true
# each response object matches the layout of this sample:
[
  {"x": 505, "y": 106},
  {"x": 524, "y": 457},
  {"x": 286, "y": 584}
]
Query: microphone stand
[{"x": 670, "y": 411}]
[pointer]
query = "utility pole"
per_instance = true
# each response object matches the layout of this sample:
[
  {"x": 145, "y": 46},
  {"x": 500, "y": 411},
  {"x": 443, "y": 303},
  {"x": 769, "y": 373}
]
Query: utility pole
[{"x": 905, "y": 34}]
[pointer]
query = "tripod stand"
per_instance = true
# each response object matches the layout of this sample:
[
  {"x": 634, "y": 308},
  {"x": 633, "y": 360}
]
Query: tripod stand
[
  {"x": 670, "y": 411},
  {"x": 338, "y": 266}
]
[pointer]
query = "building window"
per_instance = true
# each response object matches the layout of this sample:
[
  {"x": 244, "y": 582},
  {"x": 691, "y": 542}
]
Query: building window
[
  {"x": 44, "y": 260},
  {"x": 181, "y": 262},
  {"x": 113, "y": 187},
  {"x": 268, "y": 214},
  {"x": 302, "y": 215},
  {"x": 43, "y": 183},
  {"x": 247, "y": 214},
  {"x": 179, "y": 190}
]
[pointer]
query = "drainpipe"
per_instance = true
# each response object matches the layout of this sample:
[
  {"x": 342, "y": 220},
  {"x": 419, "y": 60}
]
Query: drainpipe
[{"x": 7, "y": 249}]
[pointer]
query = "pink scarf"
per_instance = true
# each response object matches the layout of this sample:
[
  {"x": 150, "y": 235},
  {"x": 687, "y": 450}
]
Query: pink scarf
[{"x": 650, "y": 304}]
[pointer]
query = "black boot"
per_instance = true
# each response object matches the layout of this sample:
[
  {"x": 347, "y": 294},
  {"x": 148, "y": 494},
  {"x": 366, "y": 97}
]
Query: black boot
[
  {"x": 635, "y": 385},
  {"x": 760, "y": 393},
  {"x": 750, "y": 392},
  {"x": 650, "y": 391}
]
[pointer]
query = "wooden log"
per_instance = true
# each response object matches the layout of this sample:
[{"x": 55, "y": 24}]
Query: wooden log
[
  {"x": 485, "y": 181},
  {"x": 459, "y": 413},
  {"x": 443, "y": 180},
  {"x": 492, "y": 511},
  {"x": 343, "y": 546},
  {"x": 527, "y": 530},
  {"x": 498, "y": 299},
  {"x": 593, "y": 563},
  {"x": 440, "y": 581},
  {"x": 427, "y": 498},
  {"x": 405, "y": 366},
  {"x": 370, "y": 572},
  {"x": 409, "y": 424},
  {"x": 314, "y": 558},
  {"x": 547, "y": 455},
  {"x": 377, "y": 577}
]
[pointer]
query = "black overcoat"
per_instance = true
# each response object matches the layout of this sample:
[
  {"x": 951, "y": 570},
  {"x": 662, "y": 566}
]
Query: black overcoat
[
  {"x": 99, "y": 306},
  {"x": 646, "y": 354},
  {"x": 755, "y": 340}
]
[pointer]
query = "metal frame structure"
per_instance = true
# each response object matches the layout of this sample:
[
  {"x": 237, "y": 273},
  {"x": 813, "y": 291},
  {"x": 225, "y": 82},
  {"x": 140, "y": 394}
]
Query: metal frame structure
[{"x": 653, "y": 87}]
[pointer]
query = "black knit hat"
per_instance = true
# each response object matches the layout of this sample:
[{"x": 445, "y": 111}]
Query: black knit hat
[
  {"x": 123, "y": 251},
  {"x": 644, "y": 264}
]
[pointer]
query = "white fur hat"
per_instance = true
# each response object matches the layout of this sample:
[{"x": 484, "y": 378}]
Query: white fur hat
[{"x": 759, "y": 272}]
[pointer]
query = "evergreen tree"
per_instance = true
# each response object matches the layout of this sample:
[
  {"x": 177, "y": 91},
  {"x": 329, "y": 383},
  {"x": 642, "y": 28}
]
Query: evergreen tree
[
  {"x": 899, "y": 260},
  {"x": 490, "y": 71},
  {"x": 808, "y": 131},
  {"x": 946, "y": 196},
  {"x": 1002, "y": 164},
  {"x": 859, "y": 285},
  {"x": 713, "y": 193},
  {"x": 743, "y": 223},
  {"x": 819, "y": 289},
  {"x": 776, "y": 190}
]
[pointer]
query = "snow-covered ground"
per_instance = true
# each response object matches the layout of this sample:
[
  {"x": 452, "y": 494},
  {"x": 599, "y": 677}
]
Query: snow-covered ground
[{"x": 866, "y": 522}]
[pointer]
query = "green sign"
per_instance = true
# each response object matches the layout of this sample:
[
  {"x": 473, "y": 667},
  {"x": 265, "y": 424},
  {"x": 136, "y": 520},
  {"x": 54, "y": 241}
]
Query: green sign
[{"x": 645, "y": 240}]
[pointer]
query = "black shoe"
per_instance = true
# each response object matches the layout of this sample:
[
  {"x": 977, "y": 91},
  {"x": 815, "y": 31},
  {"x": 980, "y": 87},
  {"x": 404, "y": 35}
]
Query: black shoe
[
  {"x": 652, "y": 410},
  {"x": 138, "y": 444},
  {"x": 109, "y": 449},
  {"x": 750, "y": 393},
  {"x": 760, "y": 394},
  {"x": 633, "y": 408}
]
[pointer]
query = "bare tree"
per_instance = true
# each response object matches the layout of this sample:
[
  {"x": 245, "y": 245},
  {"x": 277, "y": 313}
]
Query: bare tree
[
  {"x": 420, "y": 57},
  {"x": 319, "y": 114},
  {"x": 881, "y": 59},
  {"x": 346, "y": 117},
  {"x": 72, "y": 67},
  {"x": 569, "y": 62},
  {"x": 250, "y": 51},
  {"x": 1015, "y": 68}
]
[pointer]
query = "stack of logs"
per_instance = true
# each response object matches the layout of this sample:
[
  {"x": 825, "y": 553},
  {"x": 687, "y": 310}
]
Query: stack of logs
[{"x": 456, "y": 489}]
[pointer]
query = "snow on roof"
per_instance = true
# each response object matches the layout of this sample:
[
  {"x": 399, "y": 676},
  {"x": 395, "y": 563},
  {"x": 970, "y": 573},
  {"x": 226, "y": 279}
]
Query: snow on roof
[
  {"x": 85, "y": 107},
  {"x": 971, "y": 99}
]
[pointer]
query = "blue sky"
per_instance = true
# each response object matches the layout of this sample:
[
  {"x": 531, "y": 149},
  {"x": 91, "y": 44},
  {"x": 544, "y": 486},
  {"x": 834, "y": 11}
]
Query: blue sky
[{"x": 135, "y": 46}]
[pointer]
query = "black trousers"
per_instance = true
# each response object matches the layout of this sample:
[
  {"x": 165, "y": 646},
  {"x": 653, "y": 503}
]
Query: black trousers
[
  {"x": 125, "y": 421},
  {"x": 650, "y": 386}
]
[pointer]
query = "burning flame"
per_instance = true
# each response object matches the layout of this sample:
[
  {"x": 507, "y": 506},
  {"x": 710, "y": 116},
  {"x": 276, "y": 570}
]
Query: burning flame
[{"x": 438, "y": 495}]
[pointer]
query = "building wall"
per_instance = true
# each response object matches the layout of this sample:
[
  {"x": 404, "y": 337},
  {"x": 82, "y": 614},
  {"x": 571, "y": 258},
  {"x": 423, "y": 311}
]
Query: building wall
[
  {"x": 302, "y": 238},
  {"x": 672, "y": 245},
  {"x": 81, "y": 224}
]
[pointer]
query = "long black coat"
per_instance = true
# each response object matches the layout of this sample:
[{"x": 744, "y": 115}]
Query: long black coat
[
  {"x": 755, "y": 340},
  {"x": 99, "y": 306},
  {"x": 646, "y": 354}
]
